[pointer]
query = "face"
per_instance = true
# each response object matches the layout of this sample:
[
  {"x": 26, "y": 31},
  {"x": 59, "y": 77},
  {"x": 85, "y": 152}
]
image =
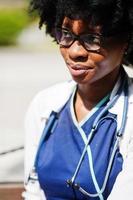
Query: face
[{"x": 88, "y": 67}]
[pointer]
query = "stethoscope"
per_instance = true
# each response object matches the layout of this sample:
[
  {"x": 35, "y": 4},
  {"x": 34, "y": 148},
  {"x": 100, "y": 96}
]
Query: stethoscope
[
  {"x": 71, "y": 182},
  {"x": 51, "y": 124}
]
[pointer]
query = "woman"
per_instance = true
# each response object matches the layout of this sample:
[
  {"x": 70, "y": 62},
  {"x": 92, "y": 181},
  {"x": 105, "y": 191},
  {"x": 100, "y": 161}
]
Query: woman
[{"x": 79, "y": 133}]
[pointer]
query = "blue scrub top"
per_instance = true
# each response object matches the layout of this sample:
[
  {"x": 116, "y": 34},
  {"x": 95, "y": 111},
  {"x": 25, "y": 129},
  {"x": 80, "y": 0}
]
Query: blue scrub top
[{"x": 61, "y": 151}]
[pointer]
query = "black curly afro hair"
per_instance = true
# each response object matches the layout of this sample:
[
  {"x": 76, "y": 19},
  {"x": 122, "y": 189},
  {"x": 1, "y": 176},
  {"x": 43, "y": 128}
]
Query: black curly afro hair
[{"x": 114, "y": 16}]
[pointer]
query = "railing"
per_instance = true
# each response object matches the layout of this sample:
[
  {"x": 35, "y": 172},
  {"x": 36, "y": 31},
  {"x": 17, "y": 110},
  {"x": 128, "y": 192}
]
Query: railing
[
  {"x": 11, "y": 191},
  {"x": 11, "y": 151}
]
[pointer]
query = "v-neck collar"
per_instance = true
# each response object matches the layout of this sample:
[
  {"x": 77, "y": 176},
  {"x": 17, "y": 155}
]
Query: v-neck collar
[
  {"x": 98, "y": 105},
  {"x": 85, "y": 119}
]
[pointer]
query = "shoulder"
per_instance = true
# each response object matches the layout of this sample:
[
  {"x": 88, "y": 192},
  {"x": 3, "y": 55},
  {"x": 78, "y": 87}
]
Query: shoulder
[
  {"x": 54, "y": 96},
  {"x": 51, "y": 98},
  {"x": 58, "y": 90}
]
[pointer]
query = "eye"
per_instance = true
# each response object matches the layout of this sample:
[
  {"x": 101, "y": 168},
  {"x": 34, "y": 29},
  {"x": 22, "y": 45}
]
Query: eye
[
  {"x": 96, "y": 39},
  {"x": 92, "y": 39},
  {"x": 66, "y": 33},
  {"x": 62, "y": 34}
]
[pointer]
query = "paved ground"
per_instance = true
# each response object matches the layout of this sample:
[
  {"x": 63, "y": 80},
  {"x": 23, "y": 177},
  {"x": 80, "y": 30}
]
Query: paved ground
[{"x": 22, "y": 75}]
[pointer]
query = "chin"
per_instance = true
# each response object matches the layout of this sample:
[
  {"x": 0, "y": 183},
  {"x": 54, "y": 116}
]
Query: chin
[{"x": 81, "y": 80}]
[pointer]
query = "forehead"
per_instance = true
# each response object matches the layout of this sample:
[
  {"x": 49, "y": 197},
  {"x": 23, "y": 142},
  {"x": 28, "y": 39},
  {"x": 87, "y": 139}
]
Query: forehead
[{"x": 80, "y": 25}]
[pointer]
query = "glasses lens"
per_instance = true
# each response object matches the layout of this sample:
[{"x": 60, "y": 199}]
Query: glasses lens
[
  {"x": 91, "y": 42},
  {"x": 63, "y": 37}
]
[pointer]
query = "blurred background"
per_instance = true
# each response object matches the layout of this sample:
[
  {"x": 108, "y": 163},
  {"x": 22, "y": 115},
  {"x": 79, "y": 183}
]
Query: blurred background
[{"x": 29, "y": 62}]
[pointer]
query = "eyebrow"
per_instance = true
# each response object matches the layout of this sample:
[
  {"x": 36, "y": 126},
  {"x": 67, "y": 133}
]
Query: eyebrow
[
  {"x": 85, "y": 33},
  {"x": 64, "y": 27},
  {"x": 67, "y": 25}
]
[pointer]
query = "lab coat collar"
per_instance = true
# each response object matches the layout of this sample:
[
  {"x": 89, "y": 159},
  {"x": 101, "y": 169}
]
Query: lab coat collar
[
  {"x": 117, "y": 109},
  {"x": 119, "y": 104},
  {"x": 58, "y": 101}
]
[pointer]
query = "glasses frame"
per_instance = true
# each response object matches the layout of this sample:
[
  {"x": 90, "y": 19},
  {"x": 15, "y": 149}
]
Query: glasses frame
[{"x": 79, "y": 38}]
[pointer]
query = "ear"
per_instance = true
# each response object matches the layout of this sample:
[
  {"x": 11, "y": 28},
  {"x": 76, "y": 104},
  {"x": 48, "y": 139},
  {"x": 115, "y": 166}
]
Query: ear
[{"x": 125, "y": 47}]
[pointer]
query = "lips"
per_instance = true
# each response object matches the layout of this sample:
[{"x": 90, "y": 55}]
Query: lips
[{"x": 78, "y": 70}]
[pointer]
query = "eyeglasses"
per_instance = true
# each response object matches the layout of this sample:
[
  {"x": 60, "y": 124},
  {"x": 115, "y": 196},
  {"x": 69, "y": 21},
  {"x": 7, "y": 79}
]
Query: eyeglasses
[{"x": 65, "y": 38}]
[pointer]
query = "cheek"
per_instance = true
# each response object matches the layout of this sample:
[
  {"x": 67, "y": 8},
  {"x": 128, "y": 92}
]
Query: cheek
[
  {"x": 114, "y": 58},
  {"x": 109, "y": 58},
  {"x": 94, "y": 57},
  {"x": 63, "y": 53},
  {"x": 97, "y": 58},
  {"x": 106, "y": 58}
]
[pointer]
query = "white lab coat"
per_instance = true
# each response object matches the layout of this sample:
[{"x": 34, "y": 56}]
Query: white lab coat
[{"x": 53, "y": 99}]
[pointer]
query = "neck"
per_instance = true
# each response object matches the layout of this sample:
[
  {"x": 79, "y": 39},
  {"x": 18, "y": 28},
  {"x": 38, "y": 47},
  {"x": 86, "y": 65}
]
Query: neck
[{"x": 91, "y": 94}]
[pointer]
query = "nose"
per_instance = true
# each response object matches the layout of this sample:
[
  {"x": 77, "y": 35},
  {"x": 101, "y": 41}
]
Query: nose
[{"x": 77, "y": 52}]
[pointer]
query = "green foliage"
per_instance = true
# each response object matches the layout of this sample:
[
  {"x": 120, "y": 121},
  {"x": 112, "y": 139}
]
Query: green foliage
[{"x": 12, "y": 22}]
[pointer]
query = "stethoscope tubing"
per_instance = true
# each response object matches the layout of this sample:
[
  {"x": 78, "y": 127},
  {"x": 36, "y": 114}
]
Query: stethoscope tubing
[
  {"x": 100, "y": 191},
  {"x": 88, "y": 149},
  {"x": 50, "y": 125},
  {"x": 118, "y": 134}
]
